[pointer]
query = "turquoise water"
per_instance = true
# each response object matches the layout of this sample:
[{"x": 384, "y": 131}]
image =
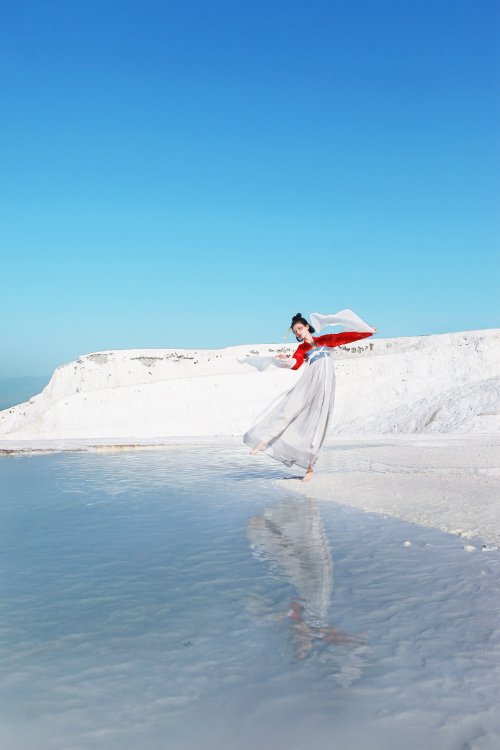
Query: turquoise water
[{"x": 179, "y": 599}]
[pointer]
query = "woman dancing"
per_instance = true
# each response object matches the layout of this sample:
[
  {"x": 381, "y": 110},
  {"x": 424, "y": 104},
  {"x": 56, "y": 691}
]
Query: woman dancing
[{"x": 293, "y": 429}]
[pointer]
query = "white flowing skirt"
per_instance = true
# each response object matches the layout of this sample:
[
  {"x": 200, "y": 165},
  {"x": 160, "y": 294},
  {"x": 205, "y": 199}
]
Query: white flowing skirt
[{"x": 294, "y": 427}]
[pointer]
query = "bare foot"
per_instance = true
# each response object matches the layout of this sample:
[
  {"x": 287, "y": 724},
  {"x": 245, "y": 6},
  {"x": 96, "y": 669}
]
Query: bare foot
[
  {"x": 308, "y": 475},
  {"x": 259, "y": 447}
]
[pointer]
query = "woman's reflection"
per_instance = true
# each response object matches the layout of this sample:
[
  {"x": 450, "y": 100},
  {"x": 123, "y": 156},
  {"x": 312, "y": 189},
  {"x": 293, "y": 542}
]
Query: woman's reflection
[{"x": 291, "y": 538}]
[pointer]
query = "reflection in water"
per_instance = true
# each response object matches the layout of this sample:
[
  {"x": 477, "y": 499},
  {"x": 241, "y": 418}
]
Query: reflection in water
[{"x": 291, "y": 538}]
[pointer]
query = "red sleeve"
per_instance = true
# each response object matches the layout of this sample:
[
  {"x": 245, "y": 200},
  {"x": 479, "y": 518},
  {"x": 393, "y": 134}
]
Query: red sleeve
[
  {"x": 298, "y": 355},
  {"x": 338, "y": 339}
]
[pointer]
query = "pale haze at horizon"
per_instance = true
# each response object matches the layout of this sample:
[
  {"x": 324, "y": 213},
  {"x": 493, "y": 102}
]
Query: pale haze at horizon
[{"x": 191, "y": 177}]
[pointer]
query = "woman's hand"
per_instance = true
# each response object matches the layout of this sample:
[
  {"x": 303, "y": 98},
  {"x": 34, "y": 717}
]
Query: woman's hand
[{"x": 284, "y": 360}]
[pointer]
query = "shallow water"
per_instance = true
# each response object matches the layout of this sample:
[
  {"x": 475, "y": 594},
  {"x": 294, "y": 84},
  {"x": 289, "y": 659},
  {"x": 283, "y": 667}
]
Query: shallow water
[{"x": 179, "y": 600}]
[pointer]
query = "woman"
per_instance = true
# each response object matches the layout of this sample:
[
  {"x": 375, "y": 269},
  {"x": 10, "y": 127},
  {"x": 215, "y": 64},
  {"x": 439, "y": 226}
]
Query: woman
[{"x": 293, "y": 429}]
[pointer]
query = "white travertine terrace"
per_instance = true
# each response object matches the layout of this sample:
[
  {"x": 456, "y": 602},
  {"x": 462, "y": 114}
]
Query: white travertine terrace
[{"x": 441, "y": 383}]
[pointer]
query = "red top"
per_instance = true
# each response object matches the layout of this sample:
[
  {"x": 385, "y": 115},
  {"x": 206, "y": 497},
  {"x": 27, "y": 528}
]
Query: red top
[{"x": 330, "y": 339}]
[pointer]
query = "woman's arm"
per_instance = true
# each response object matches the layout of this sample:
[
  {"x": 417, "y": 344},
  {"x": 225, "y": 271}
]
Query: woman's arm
[
  {"x": 298, "y": 356},
  {"x": 338, "y": 339},
  {"x": 295, "y": 361}
]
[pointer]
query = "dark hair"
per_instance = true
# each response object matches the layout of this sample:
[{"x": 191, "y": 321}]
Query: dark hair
[{"x": 299, "y": 319}]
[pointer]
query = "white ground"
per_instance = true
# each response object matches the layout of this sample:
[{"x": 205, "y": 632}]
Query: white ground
[{"x": 449, "y": 482}]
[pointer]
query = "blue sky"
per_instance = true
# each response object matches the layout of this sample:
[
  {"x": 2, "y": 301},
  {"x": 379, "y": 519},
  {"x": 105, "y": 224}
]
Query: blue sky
[{"x": 191, "y": 174}]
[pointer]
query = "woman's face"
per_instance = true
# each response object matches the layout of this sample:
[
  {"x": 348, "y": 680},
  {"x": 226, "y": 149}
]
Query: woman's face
[{"x": 300, "y": 330}]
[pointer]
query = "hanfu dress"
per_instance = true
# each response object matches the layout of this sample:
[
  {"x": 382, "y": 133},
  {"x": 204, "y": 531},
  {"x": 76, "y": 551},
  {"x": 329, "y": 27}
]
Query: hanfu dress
[{"x": 293, "y": 428}]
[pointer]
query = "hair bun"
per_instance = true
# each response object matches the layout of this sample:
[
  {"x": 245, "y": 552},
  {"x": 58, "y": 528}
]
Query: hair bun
[{"x": 298, "y": 315}]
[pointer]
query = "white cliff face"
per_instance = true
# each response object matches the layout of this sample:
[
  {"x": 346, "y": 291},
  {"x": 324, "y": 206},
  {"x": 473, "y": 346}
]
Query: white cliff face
[{"x": 443, "y": 383}]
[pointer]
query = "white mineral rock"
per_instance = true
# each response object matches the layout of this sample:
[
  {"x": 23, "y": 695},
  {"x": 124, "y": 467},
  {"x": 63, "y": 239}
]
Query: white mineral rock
[{"x": 443, "y": 383}]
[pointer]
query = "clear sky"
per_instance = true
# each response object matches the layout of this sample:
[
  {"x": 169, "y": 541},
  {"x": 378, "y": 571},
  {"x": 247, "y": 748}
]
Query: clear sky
[{"x": 192, "y": 173}]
